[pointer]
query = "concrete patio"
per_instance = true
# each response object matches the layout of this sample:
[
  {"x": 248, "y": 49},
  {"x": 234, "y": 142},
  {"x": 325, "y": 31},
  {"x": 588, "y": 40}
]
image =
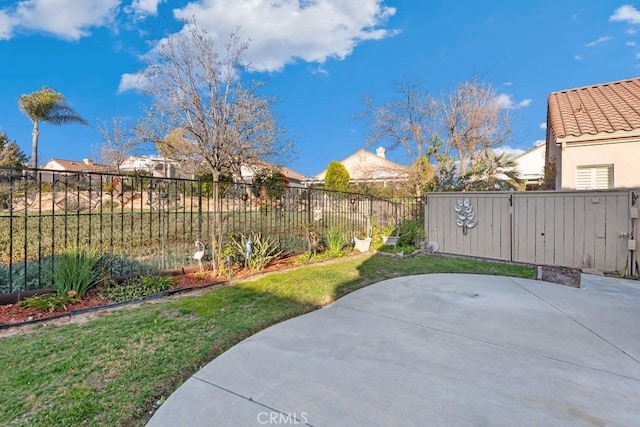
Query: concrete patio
[{"x": 436, "y": 350}]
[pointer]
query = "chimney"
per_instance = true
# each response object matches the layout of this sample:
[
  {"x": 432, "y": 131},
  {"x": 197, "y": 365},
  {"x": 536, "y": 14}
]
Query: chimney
[
  {"x": 380, "y": 152},
  {"x": 87, "y": 161}
]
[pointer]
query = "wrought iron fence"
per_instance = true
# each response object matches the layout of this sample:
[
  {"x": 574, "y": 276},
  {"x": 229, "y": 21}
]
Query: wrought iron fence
[{"x": 145, "y": 223}]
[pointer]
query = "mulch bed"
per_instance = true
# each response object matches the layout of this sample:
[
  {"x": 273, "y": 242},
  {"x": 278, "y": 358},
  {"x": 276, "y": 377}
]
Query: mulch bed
[
  {"x": 14, "y": 314},
  {"x": 11, "y": 314}
]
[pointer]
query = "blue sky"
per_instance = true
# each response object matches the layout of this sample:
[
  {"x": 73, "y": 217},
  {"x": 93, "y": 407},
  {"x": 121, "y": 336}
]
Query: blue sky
[{"x": 320, "y": 57}]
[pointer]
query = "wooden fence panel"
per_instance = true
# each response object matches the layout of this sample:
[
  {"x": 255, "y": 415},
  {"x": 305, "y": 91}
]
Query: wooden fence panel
[
  {"x": 573, "y": 229},
  {"x": 566, "y": 228},
  {"x": 489, "y": 238}
]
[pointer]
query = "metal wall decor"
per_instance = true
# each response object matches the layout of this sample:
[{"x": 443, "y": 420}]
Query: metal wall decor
[{"x": 465, "y": 216}]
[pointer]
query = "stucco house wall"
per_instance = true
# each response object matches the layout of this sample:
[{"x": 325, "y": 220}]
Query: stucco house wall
[
  {"x": 531, "y": 165},
  {"x": 623, "y": 156}
]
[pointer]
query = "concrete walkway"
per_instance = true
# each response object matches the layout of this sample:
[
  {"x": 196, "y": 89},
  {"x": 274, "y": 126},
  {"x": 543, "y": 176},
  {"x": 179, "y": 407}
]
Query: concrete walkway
[{"x": 433, "y": 350}]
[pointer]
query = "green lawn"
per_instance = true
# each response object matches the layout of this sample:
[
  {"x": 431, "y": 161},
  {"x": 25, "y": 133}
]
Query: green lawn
[{"x": 112, "y": 370}]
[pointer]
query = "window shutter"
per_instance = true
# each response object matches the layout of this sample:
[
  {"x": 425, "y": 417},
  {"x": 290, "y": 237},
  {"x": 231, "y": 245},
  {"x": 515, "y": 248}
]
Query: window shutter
[
  {"x": 583, "y": 179},
  {"x": 603, "y": 178},
  {"x": 594, "y": 177}
]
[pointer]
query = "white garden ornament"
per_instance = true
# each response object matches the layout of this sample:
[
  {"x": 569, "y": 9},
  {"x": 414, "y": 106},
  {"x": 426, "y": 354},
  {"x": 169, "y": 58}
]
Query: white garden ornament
[{"x": 465, "y": 216}]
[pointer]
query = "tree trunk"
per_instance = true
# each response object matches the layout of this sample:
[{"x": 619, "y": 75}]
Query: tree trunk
[
  {"x": 34, "y": 145},
  {"x": 216, "y": 226}
]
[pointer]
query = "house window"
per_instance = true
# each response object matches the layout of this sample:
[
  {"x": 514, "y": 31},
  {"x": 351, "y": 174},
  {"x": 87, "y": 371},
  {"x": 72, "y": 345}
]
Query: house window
[{"x": 594, "y": 177}]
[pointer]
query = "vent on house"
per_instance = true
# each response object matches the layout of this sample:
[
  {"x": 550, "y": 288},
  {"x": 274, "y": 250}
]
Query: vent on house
[{"x": 594, "y": 177}]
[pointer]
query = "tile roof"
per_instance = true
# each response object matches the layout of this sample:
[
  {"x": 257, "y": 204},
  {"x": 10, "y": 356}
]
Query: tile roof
[
  {"x": 291, "y": 174},
  {"x": 365, "y": 165},
  {"x": 287, "y": 172},
  {"x": 592, "y": 110},
  {"x": 75, "y": 166}
]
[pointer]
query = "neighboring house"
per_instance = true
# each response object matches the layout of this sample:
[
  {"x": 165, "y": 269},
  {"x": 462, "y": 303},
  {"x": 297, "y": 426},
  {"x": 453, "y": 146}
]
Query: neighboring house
[
  {"x": 593, "y": 136},
  {"x": 531, "y": 166},
  {"x": 67, "y": 167},
  {"x": 365, "y": 167},
  {"x": 86, "y": 165},
  {"x": 294, "y": 178},
  {"x": 159, "y": 167}
]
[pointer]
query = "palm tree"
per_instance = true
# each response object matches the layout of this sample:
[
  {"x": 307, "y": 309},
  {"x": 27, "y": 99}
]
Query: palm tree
[
  {"x": 491, "y": 171},
  {"x": 46, "y": 105}
]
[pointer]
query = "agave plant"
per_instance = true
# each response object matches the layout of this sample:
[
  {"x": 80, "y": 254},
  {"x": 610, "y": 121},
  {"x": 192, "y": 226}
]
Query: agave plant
[{"x": 257, "y": 250}]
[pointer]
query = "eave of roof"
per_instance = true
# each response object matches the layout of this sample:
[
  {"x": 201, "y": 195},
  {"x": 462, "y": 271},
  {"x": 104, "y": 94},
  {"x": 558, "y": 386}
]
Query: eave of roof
[{"x": 602, "y": 109}]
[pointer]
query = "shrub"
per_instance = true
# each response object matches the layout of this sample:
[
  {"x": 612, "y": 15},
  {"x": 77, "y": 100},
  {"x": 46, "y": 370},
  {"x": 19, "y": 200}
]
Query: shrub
[
  {"x": 48, "y": 303},
  {"x": 274, "y": 183},
  {"x": 388, "y": 230},
  {"x": 410, "y": 233},
  {"x": 228, "y": 253},
  {"x": 139, "y": 287},
  {"x": 337, "y": 177},
  {"x": 77, "y": 270},
  {"x": 27, "y": 275},
  {"x": 264, "y": 249},
  {"x": 336, "y": 242}
]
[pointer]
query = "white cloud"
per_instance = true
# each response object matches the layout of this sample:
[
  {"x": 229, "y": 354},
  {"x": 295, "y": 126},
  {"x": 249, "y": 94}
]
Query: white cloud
[
  {"x": 632, "y": 44},
  {"x": 141, "y": 9},
  {"x": 626, "y": 13},
  {"x": 506, "y": 101},
  {"x": 6, "y": 25},
  {"x": 320, "y": 70},
  {"x": 68, "y": 19},
  {"x": 511, "y": 151},
  {"x": 543, "y": 125},
  {"x": 148, "y": 7},
  {"x": 598, "y": 41},
  {"x": 131, "y": 82},
  {"x": 285, "y": 31},
  {"x": 630, "y": 31},
  {"x": 508, "y": 83},
  {"x": 577, "y": 57}
]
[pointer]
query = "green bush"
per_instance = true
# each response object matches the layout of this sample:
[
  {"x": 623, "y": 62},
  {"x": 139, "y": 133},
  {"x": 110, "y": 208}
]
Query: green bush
[
  {"x": 337, "y": 177},
  {"x": 139, "y": 287},
  {"x": 274, "y": 183},
  {"x": 264, "y": 249},
  {"x": 78, "y": 270},
  {"x": 336, "y": 242},
  {"x": 27, "y": 275},
  {"x": 48, "y": 303},
  {"x": 411, "y": 233}
]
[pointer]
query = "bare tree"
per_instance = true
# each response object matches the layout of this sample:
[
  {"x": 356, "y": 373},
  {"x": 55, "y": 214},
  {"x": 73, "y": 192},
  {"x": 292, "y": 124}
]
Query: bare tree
[
  {"x": 118, "y": 142},
  {"x": 456, "y": 131},
  {"x": 197, "y": 88},
  {"x": 177, "y": 147},
  {"x": 407, "y": 121},
  {"x": 474, "y": 122}
]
